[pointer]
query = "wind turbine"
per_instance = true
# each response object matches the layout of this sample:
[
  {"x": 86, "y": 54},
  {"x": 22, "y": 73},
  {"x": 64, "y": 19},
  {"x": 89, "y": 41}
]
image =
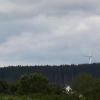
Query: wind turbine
[
  {"x": 91, "y": 55},
  {"x": 90, "y": 58}
]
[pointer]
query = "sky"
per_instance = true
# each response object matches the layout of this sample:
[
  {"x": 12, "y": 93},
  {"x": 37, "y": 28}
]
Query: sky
[{"x": 49, "y": 31}]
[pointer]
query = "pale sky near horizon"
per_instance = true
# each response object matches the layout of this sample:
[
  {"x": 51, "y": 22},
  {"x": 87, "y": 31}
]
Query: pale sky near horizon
[{"x": 49, "y": 31}]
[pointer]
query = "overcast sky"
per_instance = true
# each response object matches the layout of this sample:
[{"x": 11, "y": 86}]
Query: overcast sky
[{"x": 49, "y": 31}]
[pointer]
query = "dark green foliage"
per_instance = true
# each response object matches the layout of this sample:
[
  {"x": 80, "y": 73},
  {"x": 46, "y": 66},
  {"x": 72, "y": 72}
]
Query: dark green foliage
[
  {"x": 49, "y": 81},
  {"x": 23, "y": 84},
  {"x": 60, "y": 75},
  {"x": 87, "y": 86},
  {"x": 94, "y": 92},
  {"x": 4, "y": 87},
  {"x": 36, "y": 83},
  {"x": 37, "y": 87},
  {"x": 54, "y": 89},
  {"x": 13, "y": 87},
  {"x": 82, "y": 83},
  {"x": 29, "y": 84},
  {"x": 37, "y": 97}
]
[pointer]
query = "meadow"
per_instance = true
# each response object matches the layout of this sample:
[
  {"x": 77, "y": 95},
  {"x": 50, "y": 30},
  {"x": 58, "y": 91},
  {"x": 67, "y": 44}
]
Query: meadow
[{"x": 37, "y": 97}]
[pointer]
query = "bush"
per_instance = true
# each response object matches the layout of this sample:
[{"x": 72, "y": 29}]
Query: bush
[
  {"x": 30, "y": 84},
  {"x": 36, "y": 83},
  {"x": 4, "y": 87}
]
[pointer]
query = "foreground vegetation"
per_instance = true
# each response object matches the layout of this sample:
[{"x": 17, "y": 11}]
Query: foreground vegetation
[
  {"x": 38, "y": 87},
  {"x": 37, "y": 97},
  {"x": 33, "y": 87}
]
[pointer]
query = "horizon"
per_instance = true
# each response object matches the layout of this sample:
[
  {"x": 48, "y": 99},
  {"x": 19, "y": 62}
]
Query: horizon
[{"x": 11, "y": 65}]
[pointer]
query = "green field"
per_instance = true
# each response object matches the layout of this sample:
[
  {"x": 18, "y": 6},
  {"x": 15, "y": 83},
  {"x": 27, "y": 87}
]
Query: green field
[{"x": 37, "y": 97}]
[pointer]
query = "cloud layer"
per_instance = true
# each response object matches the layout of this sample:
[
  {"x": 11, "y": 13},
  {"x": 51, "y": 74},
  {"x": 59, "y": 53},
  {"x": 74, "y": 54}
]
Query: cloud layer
[{"x": 49, "y": 31}]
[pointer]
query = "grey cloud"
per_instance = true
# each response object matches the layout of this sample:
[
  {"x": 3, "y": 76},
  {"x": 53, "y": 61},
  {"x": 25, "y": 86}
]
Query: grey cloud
[
  {"x": 46, "y": 7},
  {"x": 48, "y": 31}
]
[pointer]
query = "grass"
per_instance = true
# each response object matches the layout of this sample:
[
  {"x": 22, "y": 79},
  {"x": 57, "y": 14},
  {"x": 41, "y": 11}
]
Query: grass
[{"x": 36, "y": 97}]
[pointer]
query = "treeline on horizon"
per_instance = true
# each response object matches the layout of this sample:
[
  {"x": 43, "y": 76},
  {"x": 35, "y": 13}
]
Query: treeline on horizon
[{"x": 59, "y": 74}]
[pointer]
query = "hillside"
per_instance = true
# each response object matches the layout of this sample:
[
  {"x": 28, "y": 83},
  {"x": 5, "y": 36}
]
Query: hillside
[{"x": 57, "y": 74}]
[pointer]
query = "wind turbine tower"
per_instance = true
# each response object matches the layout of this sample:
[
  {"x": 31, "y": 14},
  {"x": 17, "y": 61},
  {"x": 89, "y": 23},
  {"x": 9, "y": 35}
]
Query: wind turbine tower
[{"x": 90, "y": 59}]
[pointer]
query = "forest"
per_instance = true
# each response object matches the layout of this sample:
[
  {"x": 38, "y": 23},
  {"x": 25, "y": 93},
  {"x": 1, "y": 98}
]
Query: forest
[{"x": 60, "y": 75}]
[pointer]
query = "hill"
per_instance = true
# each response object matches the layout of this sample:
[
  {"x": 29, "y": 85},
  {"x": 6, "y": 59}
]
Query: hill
[{"x": 60, "y": 75}]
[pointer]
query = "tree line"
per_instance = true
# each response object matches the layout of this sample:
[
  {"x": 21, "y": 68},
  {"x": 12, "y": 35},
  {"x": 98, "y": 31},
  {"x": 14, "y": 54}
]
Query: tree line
[{"x": 60, "y": 74}]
